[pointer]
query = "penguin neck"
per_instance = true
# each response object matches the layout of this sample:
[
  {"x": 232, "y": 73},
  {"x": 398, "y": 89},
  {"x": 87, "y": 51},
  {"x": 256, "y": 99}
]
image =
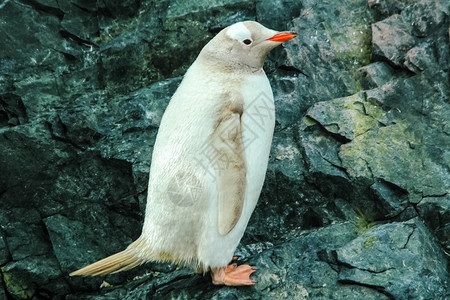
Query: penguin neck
[{"x": 216, "y": 64}]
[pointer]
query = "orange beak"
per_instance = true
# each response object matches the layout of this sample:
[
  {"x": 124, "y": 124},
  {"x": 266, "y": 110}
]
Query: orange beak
[{"x": 282, "y": 37}]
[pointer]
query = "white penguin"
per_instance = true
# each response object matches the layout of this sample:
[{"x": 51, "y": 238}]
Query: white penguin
[{"x": 209, "y": 160}]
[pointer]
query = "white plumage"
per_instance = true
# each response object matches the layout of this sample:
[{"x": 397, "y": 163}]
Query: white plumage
[{"x": 209, "y": 159}]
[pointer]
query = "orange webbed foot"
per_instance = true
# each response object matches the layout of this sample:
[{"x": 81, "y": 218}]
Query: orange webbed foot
[{"x": 233, "y": 275}]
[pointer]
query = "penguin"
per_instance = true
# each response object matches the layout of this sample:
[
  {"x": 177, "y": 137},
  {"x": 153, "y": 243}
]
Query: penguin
[{"x": 209, "y": 160}]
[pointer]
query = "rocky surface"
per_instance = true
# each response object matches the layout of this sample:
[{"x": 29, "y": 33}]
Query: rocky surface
[{"x": 356, "y": 199}]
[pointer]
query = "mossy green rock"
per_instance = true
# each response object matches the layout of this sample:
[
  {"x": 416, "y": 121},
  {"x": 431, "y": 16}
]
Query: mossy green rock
[
  {"x": 349, "y": 117},
  {"x": 387, "y": 154},
  {"x": 390, "y": 251}
]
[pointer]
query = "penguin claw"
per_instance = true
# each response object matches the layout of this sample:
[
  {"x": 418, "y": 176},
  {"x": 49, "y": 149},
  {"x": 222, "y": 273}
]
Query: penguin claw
[{"x": 233, "y": 275}]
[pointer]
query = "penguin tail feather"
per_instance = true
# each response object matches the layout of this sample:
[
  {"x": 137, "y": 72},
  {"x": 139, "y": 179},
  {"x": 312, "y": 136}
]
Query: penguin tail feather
[{"x": 121, "y": 261}]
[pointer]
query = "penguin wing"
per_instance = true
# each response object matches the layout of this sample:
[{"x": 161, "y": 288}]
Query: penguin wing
[{"x": 230, "y": 170}]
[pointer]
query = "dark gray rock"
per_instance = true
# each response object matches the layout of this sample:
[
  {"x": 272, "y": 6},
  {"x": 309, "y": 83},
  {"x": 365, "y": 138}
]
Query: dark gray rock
[
  {"x": 197, "y": 14},
  {"x": 287, "y": 102},
  {"x": 375, "y": 75},
  {"x": 34, "y": 33},
  {"x": 421, "y": 58},
  {"x": 33, "y": 275},
  {"x": 126, "y": 65},
  {"x": 13, "y": 111},
  {"x": 389, "y": 7},
  {"x": 436, "y": 213},
  {"x": 78, "y": 20},
  {"x": 4, "y": 251},
  {"x": 426, "y": 17},
  {"x": 27, "y": 151},
  {"x": 395, "y": 199},
  {"x": 387, "y": 252},
  {"x": 328, "y": 46},
  {"x": 276, "y": 14},
  {"x": 391, "y": 39},
  {"x": 133, "y": 123},
  {"x": 64, "y": 237},
  {"x": 2, "y": 292},
  {"x": 25, "y": 240}
]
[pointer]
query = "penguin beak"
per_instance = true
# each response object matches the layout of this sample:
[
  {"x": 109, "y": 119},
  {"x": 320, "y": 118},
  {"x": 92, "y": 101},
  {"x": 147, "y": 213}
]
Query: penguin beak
[{"x": 282, "y": 37}]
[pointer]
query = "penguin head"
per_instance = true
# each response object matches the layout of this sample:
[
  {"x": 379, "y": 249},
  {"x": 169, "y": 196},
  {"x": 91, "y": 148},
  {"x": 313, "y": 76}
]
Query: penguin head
[{"x": 244, "y": 44}]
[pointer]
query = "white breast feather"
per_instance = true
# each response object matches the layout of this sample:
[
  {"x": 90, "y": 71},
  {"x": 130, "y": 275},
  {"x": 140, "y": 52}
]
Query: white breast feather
[
  {"x": 188, "y": 231},
  {"x": 258, "y": 122}
]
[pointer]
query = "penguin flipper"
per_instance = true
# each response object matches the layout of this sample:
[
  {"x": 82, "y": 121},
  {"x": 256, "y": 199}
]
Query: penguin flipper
[
  {"x": 230, "y": 171},
  {"x": 121, "y": 261}
]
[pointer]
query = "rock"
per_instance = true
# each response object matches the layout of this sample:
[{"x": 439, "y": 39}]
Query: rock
[
  {"x": 398, "y": 154},
  {"x": 420, "y": 58},
  {"x": 428, "y": 24},
  {"x": 35, "y": 34},
  {"x": 27, "y": 151},
  {"x": 13, "y": 111},
  {"x": 348, "y": 117},
  {"x": 321, "y": 150},
  {"x": 18, "y": 232},
  {"x": 327, "y": 130},
  {"x": 351, "y": 42},
  {"x": 391, "y": 39},
  {"x": 395, "y": 198},
  {"x": 128, "y": 66},
  {"x": 135, "y": 121},
  {"x": 65, "y": 242},
  {"x": 274, "y": 14},
  {"x": 224, "y": 12},
  {"x": 4, "y": 252},
  {"x": 436, "y": 214},
  {"x": 312, "y": 62},
  {"x": 79, "y": 21},
  {"x": 426, "y": 17},
  {"x": 393, "y": 166},
  {"x": 286, "y": 101},
  {"x": 388, "y": 7},
  {"x": 375, "y": 75},
  {"x": 386, "y": 252},
  {"x": 33, "y": 276},
  {"x": 2, "y": 292}
]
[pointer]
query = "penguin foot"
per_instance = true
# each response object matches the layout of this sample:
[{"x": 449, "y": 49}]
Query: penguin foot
[{"x": 233, "y": 275}]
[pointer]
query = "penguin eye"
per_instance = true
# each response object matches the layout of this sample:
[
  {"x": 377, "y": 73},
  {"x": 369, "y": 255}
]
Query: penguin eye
[{"x": 247, "y": 41}]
